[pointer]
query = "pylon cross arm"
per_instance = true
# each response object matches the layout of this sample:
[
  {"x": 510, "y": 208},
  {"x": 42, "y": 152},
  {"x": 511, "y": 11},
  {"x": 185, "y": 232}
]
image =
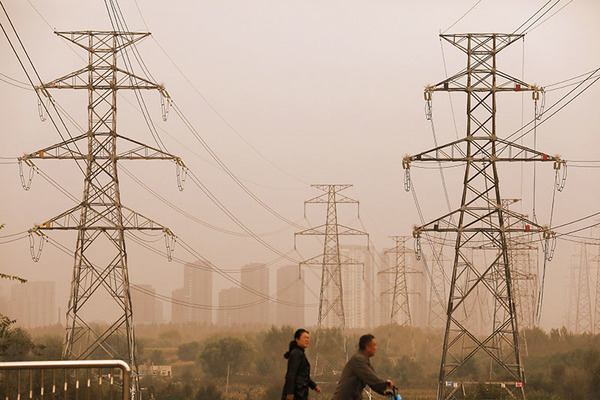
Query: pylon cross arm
[
  {"x": 144, "y": 152},
  {"x": 322, "y": 260},
  {"x": 100, "y": 218},
  {"x": 483, "y": 149},
  {"x": 81, "y": 38},
  {"x": 104, "y": 80},
  {"x": 69, "y": 150},
  {"x": 321, "y": 231},
  {"x": 446, "y": 223},
  {"x": 63, "y": 150},
  {"x": 502, "y": 83}
]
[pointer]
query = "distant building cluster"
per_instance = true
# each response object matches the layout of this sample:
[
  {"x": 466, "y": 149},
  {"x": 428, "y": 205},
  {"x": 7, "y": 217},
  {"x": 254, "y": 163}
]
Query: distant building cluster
[
  {"x": 32, "y": 304},
  {"x": 254, "y": 302}
]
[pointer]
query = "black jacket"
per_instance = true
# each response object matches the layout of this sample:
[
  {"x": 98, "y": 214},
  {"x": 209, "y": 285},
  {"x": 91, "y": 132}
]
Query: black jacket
[
  {"x": 297, "y": 377},
  {"x": 358, "y": 373}
]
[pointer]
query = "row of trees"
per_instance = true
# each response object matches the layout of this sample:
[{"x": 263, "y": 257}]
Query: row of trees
[
  {"x": 559, "y": 365},
  {"x": 249, "y": 364}
]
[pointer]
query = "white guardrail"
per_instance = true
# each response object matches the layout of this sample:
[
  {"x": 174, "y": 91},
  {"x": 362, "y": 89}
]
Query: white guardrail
[{"x": 77, "y": 379}]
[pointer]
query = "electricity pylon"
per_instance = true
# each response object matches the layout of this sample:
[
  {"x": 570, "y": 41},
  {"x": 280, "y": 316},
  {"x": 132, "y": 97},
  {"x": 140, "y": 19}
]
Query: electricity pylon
[
  {"x": 437, "y": 284},
  {"x": 398, "y": 288},
  {"x": 523, "y": 263},
  {"x": 596, "y": 262},
  {"x": 100, "y": 219},
  {"x": 581, "y": 308},
  {"x": 397, "y": 292},
  {"x": 481, "y": 221},
  {"x": 331, "y": 297}
]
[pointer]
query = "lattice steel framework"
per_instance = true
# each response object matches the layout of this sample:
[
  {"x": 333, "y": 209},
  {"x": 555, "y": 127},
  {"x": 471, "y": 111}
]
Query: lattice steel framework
[
  {"x": 595, "y": 251},
  {"x": 580, "y": 310},
  {"x": 523, "y": 261},
  {"x": 436, "y": 315},
  {"x": 100, "y": 219},
  {"x": 331, "y": 297},
  {"x": 481, "y": 221},
  {"x": 397, "y": 291}
]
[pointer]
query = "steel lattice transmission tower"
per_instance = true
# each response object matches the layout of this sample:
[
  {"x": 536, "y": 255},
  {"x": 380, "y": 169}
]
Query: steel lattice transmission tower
[
  {"x": 101, "y": 220},
  {"x": 523, "y": 262},
  {"x": 580, "y": 308},
  {"x": 397, "y": 291},
  {"x": 437, "y": 283},
  {"x": 595, "y": 252},
  {"x": 481, "y": 221},
  {"x": 331, "y": 296}
]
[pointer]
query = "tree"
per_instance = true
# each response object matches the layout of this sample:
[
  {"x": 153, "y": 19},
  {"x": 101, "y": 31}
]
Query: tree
[
  {"x": 219, "y": 353},
  {"x": 208, "y": 392},
  {"x": 188, "y": 351},
  {"x": 157, "y": 358},
  {"x": 15, "y": 344},
  {"x": 270, "y": 362}
]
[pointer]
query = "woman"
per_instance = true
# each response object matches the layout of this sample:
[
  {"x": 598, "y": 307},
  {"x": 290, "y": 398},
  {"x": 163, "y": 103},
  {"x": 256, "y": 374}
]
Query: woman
[{"x": 297, "y": 377}]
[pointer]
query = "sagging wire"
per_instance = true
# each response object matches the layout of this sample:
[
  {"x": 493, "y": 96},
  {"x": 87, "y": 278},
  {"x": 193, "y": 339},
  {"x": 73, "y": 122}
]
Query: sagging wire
[
  {"x": 170, "y": 240},
  {"x": 181, "y": 171},
  {"x": 549, "y": 245},
  {"x": 41, "y": 107},
  {"x": 406, "y": 167},
  {"x": 560, "y": 179},
  {"x": 165, "y": 102},
  {"x": 36, "y": 253},
  {"x": 32, "y": 170},
  {"x": 428, "y": 105},
  {"x": 539, "y": 111},
  {"x": 417, "y": 245}
]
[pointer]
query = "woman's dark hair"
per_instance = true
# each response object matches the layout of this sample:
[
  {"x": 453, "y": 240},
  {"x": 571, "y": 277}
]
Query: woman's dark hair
[{"x": 293, "y": 343}]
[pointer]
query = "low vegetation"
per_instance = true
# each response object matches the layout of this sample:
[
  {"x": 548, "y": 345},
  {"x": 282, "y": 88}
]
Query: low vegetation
[{"x": 245, "y": 363}]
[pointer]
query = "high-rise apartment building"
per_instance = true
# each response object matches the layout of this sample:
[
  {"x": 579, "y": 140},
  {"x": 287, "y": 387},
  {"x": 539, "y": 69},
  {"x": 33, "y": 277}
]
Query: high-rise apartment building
[
  {"x": 230, "y": 313},
  {"x": 290, "y": 289},
  {"x": 33, "y": 304},
  {"x": 197, "y": 283},
  {"x": 358, "y": 285},
  {"x": 256, "y": 278},
  {"x": 196, "y": 291},
  {"x": 178, "y": 311}
]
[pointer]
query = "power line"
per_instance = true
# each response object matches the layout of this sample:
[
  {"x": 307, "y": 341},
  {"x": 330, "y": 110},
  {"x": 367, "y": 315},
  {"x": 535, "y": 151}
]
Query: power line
[
  {"x": 39, "y": 79},
  {"x": 559, "y": 10},
  {"x": 214, "y": 109},
  {"x": 192, "y": 217},
  {"x": 464, "y": 15},
  {"x": 66, "y": 250},
  {"x": 228, "y": 171}
]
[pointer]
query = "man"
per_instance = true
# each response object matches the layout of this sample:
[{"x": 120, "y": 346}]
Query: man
[{"x": 358, "y": 373}]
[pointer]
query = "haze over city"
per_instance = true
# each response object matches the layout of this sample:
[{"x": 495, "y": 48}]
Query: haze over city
[{"x": 289, "y": 94}]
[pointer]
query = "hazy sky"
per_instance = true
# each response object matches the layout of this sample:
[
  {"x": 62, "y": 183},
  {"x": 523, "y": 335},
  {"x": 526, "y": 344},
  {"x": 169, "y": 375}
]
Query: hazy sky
[{"x": 290, "y": 93}]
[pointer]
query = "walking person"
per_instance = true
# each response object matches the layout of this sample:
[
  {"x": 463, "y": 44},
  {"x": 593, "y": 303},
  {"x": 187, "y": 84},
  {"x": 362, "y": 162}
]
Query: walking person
[
  {"x": 297, "y": 377},
  {"x": 359, "y": 372}
]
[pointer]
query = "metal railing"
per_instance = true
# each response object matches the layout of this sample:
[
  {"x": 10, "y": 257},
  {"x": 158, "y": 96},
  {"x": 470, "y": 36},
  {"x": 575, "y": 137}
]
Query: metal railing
[{"x": 86, "y": 379}]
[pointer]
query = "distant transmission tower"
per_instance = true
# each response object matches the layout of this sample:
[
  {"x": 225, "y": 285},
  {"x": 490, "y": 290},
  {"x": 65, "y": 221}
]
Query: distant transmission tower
[
  {"x": 331, "y": 297},
  {"x": 595, "y": 250},
  {"x": 523, "y": 262},
  {"x": 397, "y": 291},
  {"x": 437, "y": 284},
  {"x": 100, "y": 272},
  {"x": 581, "y": 308},
  {"x": 481, "y": 221}
]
